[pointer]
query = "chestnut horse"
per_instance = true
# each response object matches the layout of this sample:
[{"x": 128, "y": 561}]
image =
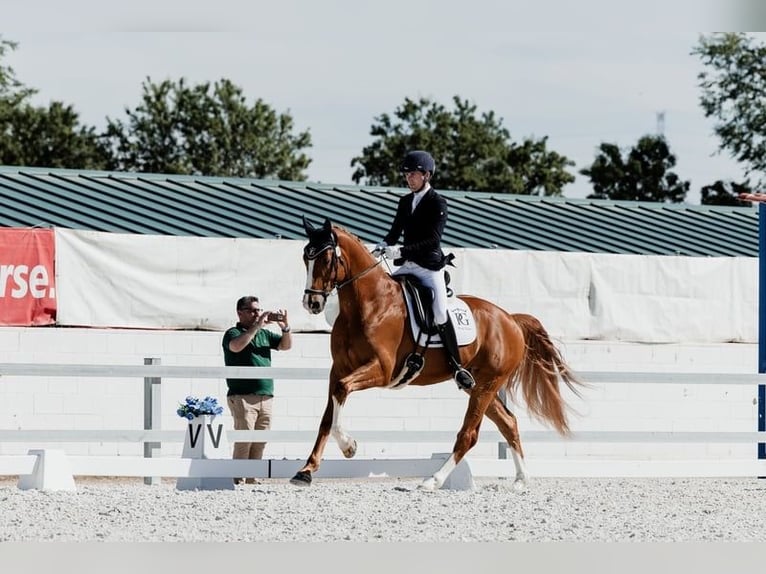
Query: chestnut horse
[{"x": 371, "y": 339}]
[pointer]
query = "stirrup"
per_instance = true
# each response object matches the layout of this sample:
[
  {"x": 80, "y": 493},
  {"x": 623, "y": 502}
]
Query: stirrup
[
  {"x": 464, "y": 379},
  {"x": 413, "y": 364}
]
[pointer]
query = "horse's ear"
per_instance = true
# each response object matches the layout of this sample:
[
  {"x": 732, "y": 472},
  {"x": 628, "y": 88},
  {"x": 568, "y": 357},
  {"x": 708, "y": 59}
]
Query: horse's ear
[
  {"x": 307, "y": 226},
  {"x": 327, "y": 225}
]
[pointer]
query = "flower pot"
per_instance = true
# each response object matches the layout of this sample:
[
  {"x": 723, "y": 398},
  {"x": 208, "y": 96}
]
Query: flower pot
[{"x": 205, "y": 439}]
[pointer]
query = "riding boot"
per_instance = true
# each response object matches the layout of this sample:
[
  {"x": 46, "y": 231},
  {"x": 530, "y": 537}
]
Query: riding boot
[{"x": 463, "y": 378}]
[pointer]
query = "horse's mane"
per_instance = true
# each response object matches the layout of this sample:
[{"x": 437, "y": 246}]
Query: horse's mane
[
  {"x": 357, "y": 243},
  {"x": 347, "y": 232}
]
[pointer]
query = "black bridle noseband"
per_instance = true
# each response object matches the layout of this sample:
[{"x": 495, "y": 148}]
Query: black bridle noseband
[{"x": 312, "y": 252}]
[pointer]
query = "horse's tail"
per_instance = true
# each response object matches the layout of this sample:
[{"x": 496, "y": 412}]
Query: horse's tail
[{"x": 539, "y": 373}]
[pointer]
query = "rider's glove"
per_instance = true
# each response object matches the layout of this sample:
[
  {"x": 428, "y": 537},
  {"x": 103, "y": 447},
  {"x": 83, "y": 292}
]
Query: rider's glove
[
  {"x": 379, "y": 248},
  {"x": 393, "y": 251}
]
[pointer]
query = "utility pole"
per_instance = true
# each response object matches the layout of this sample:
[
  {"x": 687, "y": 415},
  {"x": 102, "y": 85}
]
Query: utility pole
[{"x": 661, "y": 123}]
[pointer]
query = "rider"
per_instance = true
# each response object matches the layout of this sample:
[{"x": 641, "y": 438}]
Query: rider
[{"x": 421, "y": 216}]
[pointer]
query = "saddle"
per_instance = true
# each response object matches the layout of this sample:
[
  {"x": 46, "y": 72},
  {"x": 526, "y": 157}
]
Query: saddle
[{"x": 419, "y": 299}]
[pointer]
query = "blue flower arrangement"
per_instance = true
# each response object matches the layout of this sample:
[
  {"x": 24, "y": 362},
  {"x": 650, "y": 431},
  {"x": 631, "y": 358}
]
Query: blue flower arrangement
[{"x": 193, "y": 407}]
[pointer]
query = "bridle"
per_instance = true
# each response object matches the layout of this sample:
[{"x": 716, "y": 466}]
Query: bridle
[{"x": 312, "y": 253}]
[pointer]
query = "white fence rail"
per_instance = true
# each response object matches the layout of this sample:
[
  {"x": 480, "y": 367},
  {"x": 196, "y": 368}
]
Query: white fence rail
[
  {"x": 152, "y": 372},
  {"x": 170, "y": 371}
]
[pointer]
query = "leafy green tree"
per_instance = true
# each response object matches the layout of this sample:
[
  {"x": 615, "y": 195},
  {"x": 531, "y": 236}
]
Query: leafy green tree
[
  {"x": 473, "y": 152},
  {"x": 733, "y": 85},
  {"x": 724, "y": 193},
  {"x": 49, "y": 137},
  {"x": 642, "y": 175},
  {"x": 12, "y": 91},
  {"x": 207, "y": 130},
  {"x": 39, "y": 136}
]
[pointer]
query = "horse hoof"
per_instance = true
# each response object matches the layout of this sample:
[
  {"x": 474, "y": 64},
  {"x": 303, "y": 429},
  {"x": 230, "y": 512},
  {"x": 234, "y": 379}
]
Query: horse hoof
[
  {"x": 301, "y": 478},
  {"x": 428, "y": 484},
  {"x": 519, "y": 485},
  {"x": 350, "y": 451}
]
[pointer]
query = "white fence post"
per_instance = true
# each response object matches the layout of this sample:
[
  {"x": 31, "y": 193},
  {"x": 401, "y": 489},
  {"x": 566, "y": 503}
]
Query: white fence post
[{"x": 152, "y": 414}]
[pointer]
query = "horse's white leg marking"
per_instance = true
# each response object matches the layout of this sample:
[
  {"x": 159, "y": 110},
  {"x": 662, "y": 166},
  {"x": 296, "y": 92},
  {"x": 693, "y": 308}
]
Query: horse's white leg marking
[
  {"x": 345, "y": 442},
  {"x": 521, "y": 471},
  {"x": 436, "y": 481},
  {"x": 309, "y": 277}
]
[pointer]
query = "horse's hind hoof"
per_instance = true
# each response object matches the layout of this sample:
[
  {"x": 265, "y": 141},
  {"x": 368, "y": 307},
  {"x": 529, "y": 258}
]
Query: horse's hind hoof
[{"x": 301, "y": 478}]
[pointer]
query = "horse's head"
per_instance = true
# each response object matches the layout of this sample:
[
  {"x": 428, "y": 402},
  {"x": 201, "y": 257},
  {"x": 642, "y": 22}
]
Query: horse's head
[
  {"x": 321, "y": 259},
  {"x": 334, "y": 258}
]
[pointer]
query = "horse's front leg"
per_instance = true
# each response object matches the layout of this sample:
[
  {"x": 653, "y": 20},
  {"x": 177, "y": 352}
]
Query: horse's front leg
[
  {"x": 371, "y": 374},
  {"x": 346, "y": 443},
  {"x": 303, "y": 476}
]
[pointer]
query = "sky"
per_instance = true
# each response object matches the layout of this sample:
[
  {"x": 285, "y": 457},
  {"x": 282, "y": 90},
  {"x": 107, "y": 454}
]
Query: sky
[{"x": 580, "y": 73}]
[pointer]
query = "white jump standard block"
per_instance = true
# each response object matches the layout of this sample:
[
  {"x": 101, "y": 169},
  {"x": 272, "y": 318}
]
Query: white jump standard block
[
  {"x": 461, "y": 477},
  {"x": 52, "y": 471}
]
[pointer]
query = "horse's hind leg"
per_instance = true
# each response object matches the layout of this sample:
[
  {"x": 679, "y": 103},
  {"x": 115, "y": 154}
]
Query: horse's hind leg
[
  {"x": 508, "y": 426},
  {"x": 467, "y": 436}
]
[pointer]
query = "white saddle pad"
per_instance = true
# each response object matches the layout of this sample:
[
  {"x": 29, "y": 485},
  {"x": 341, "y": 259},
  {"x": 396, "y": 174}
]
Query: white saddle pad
[{"x": 460, "y": 315}]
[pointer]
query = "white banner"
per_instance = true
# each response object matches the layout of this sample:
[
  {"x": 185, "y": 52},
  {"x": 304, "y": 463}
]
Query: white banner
[
  {"x": 672, "y": 298},
  {"x": 163, "y": 282},
  {"x": 552, "y": 286}
]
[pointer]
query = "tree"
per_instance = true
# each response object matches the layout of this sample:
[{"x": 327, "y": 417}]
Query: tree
[
  {"x": 643, "y": 175},
  {"x": 207, "y": 130},
  {"x": 39, "y": 136},
  {"x": 724, "y": 193},
  {"x": 733, "y": 87},
  {"x": 49, "y": 137},
  {"x": 472, "y": 152},
  {"x": 11, "y": 90}
]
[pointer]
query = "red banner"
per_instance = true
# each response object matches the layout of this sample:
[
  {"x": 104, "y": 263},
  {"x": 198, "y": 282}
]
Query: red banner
[{"x": 27, "y": 277}]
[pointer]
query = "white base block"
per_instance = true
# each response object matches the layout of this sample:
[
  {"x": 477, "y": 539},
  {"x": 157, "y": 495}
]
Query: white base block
[
  {"x": 52, "y": 471},
  {"x": 460, "y": 478}
]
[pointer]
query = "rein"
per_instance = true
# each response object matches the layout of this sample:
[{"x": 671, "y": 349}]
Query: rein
[{"x": 358, "y": 275}]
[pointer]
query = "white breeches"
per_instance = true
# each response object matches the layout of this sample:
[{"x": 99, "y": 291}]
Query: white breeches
[{"x": 435, "y": 280}]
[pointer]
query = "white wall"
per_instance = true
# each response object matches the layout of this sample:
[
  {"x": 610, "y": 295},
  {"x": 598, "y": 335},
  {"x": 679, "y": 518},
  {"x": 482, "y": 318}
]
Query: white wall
[{"x": 116, "y": 403}]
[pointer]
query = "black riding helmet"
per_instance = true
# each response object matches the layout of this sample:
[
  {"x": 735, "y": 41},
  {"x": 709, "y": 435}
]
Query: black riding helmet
[{"x": 418, "y": 160}]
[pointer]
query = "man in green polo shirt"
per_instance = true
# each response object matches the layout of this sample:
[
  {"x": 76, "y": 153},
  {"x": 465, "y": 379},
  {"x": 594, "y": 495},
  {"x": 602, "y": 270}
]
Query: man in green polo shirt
[{"x": 249, "y": 344}]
